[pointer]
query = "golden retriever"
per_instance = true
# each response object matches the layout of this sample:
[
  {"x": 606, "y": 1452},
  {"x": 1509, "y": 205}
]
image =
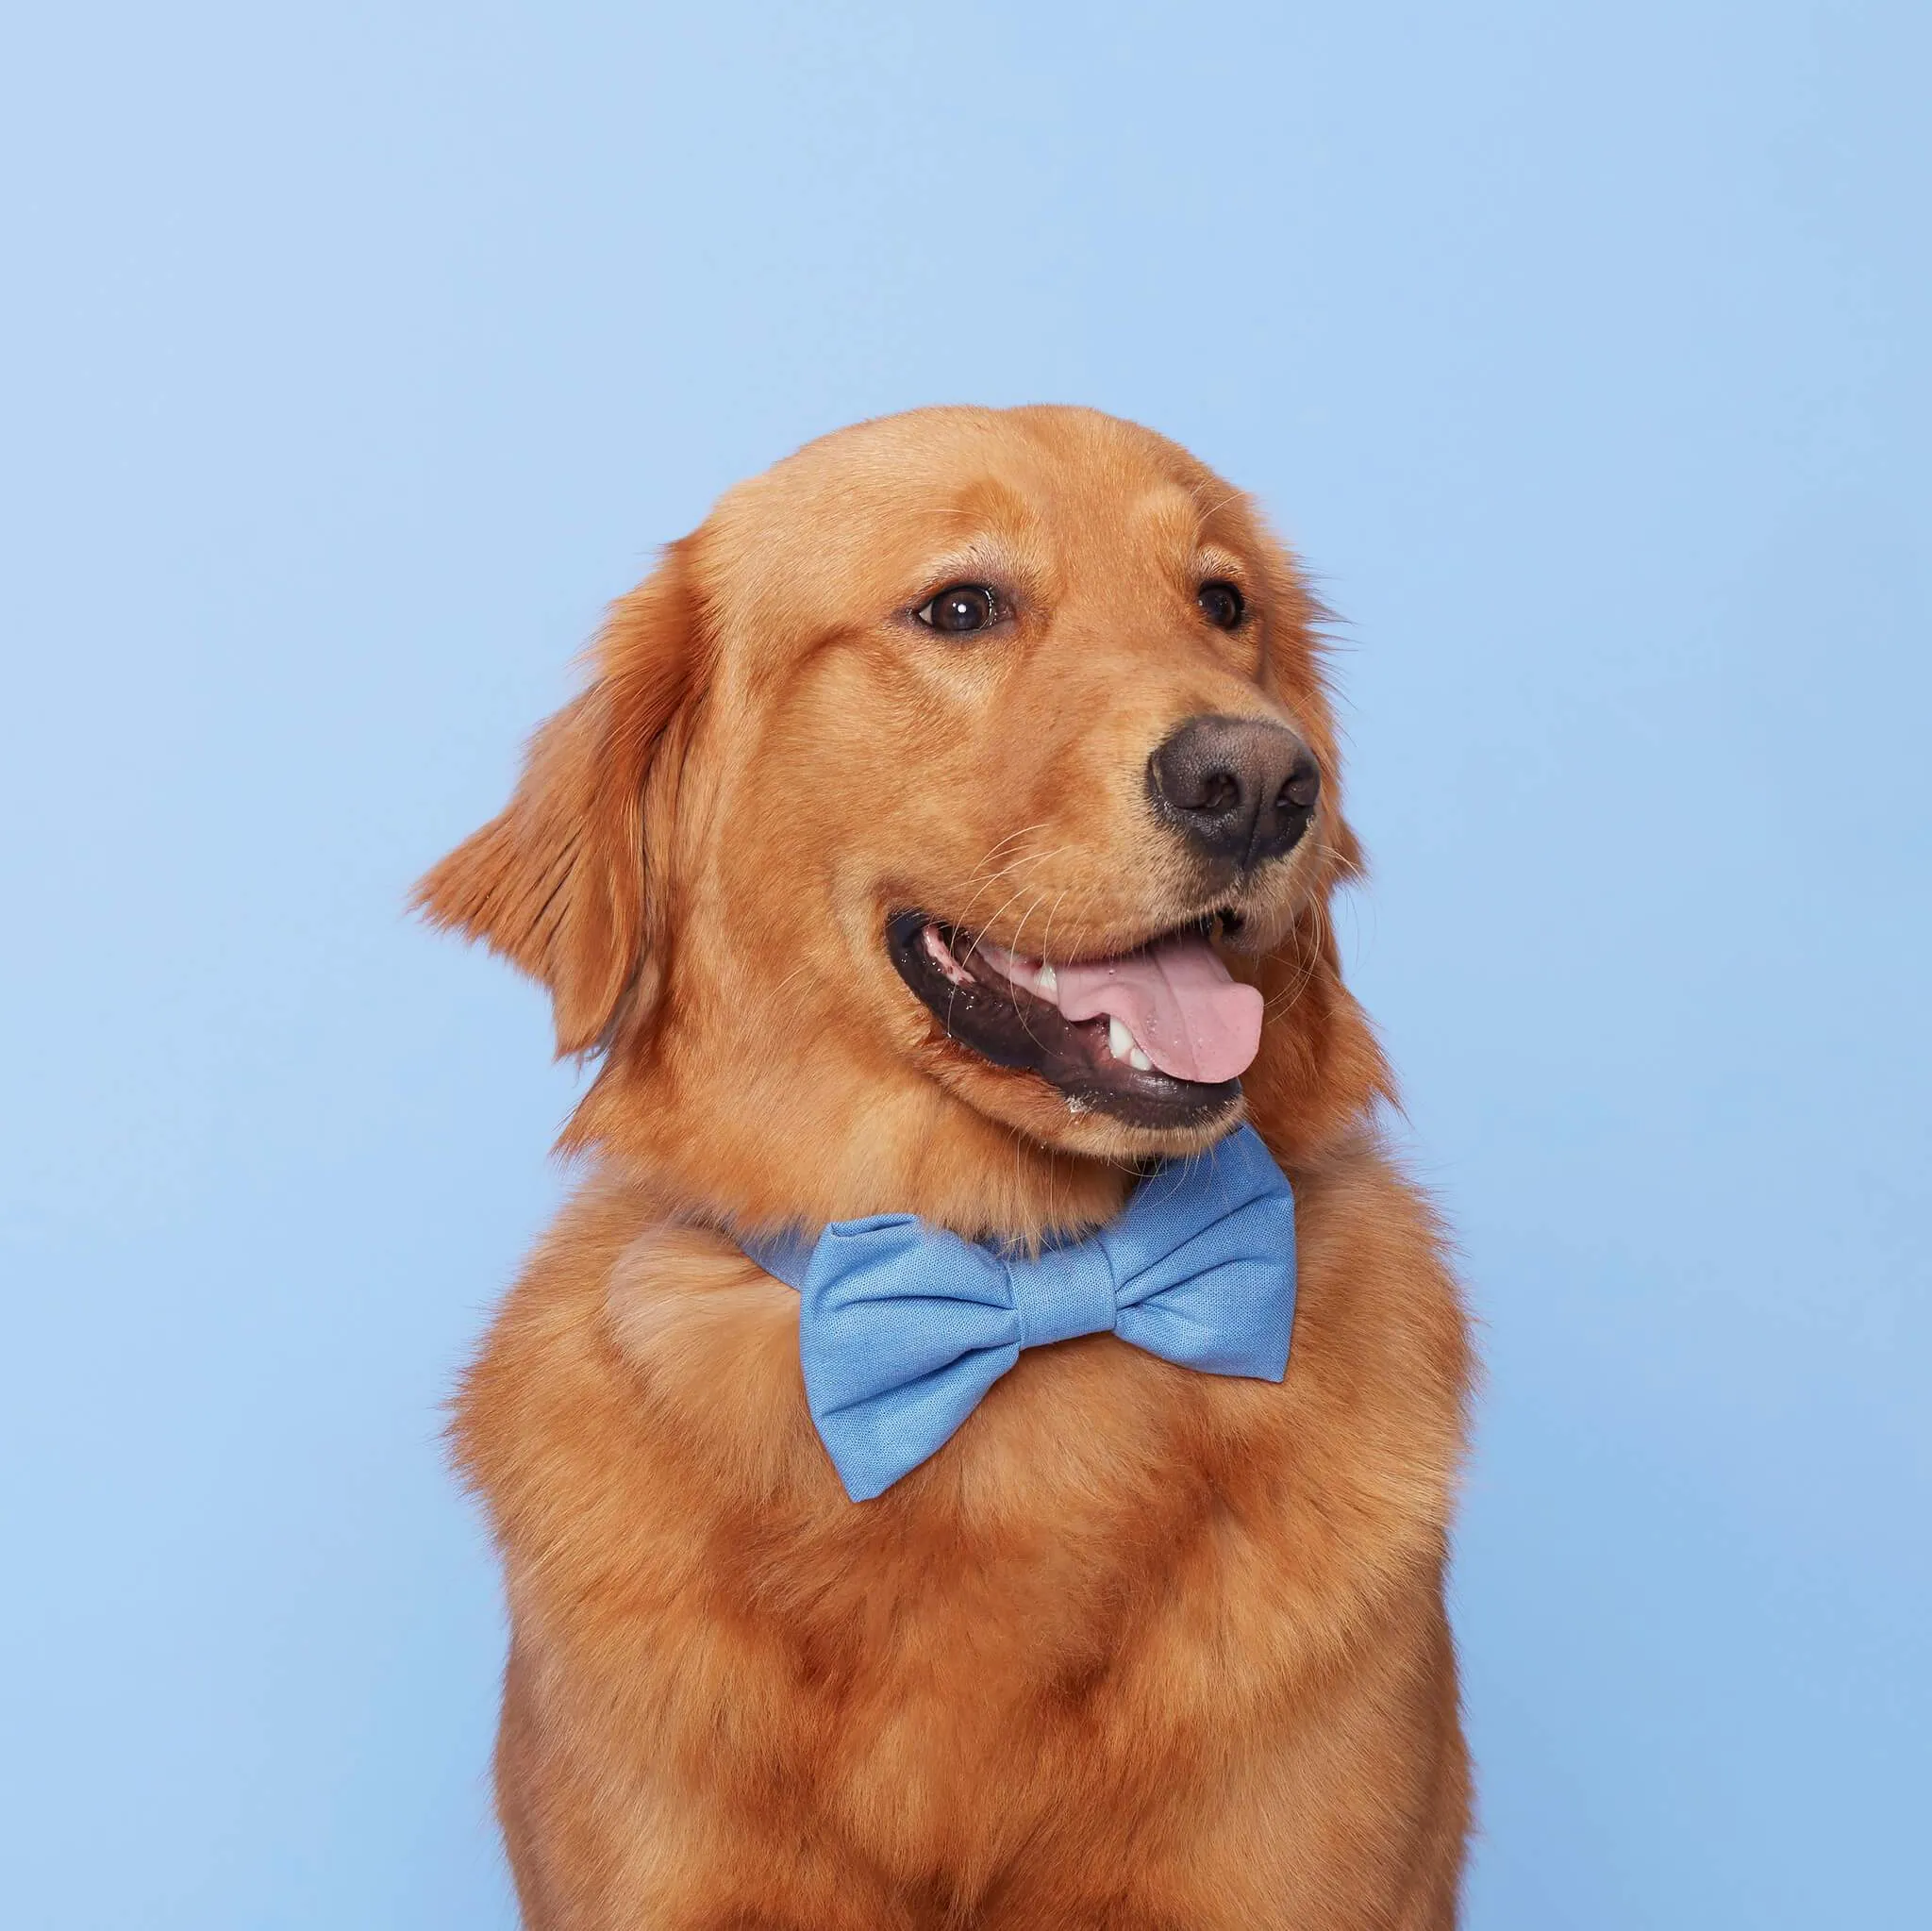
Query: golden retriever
[{"x": 937, "y": 703}]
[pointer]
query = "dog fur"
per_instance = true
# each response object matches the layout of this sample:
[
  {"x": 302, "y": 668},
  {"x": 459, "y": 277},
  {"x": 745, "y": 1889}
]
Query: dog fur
[{"x": 1140, "y": 1648}]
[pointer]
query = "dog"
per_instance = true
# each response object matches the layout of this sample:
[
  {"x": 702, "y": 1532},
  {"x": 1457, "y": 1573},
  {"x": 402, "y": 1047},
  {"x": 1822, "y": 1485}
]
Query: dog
[{"x": 942, "y": 715}]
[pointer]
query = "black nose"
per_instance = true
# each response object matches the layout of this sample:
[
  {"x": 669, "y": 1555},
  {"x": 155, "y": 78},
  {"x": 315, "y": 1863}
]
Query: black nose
[{"x": 1240, "y": 788}]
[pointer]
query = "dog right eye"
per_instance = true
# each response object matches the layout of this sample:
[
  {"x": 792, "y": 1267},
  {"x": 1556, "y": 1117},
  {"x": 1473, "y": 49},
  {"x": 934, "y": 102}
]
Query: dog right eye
[{"x": 963, "y": 607}]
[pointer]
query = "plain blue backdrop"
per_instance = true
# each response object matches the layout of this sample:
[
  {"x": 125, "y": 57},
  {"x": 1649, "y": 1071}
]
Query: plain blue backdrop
[{"x": 353, "y": 356}]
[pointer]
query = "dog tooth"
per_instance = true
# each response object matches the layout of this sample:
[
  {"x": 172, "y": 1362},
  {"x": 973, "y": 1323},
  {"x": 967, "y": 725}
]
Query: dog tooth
[
  {"x": 1120, "y": 1041},
  {"x": 1139, "y": 1061},
  {"x": 1047, "y": 980}
]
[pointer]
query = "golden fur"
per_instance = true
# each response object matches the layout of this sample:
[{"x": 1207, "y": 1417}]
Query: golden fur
[{"x": 1140, "y": 1648}]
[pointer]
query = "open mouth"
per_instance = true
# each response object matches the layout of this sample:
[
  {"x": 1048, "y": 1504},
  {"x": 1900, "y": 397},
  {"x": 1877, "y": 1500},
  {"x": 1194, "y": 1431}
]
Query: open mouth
[{"x": 1157, "y": 1037}]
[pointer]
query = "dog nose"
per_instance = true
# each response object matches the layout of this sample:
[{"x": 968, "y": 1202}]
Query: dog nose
[{"x": 1243, "y": 788}]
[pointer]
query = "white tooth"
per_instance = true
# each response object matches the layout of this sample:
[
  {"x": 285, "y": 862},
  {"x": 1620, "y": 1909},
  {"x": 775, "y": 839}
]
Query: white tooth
[
  {"x": 1120, "y": 1041},
  {"x": 1139, "y": 1061},
  {"x": 1047, "y": 980}
]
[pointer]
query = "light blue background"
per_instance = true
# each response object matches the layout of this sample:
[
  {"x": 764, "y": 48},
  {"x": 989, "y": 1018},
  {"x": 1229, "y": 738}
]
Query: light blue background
[{"x": 354, "y": 354}]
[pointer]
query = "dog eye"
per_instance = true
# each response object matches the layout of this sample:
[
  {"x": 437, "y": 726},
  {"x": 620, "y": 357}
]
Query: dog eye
[
  {"x": 1221, "y": 604},
  {"x": 965, "y": 607}
]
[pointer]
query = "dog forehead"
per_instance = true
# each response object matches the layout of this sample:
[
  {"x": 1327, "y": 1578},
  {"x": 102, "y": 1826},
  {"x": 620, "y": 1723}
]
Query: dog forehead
[{"x": 860, "y": 519}]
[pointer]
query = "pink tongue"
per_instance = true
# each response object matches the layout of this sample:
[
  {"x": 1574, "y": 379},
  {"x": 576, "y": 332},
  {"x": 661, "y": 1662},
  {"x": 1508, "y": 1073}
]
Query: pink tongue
[{"x": 1192, "y": 1018}]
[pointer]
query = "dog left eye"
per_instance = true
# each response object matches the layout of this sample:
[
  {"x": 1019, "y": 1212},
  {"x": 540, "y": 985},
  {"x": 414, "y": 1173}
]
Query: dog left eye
[
  {"x": 1222, "y": 605},
  {"x": 963, "y": 607}
]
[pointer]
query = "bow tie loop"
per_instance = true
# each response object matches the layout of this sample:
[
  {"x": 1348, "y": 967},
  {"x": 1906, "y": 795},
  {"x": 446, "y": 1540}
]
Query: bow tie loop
[{"x": 903, "y": 1327}]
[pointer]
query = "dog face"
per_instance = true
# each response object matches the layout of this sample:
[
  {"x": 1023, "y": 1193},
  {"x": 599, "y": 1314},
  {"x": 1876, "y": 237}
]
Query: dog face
[{"x": 960, "y": 795}]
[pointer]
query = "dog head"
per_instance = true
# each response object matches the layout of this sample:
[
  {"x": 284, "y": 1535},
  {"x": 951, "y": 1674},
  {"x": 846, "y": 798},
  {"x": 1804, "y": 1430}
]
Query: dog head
[{"x": 946, "y": 825}]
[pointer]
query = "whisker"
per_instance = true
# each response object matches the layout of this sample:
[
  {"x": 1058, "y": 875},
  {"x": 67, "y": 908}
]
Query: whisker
[
  {"x": 998, "y": 847},
  {"x": 1031, "y": 857}
]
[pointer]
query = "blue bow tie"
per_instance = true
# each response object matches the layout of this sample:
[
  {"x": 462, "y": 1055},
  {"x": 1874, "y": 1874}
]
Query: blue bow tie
[{"x": 902, "y": 1327}]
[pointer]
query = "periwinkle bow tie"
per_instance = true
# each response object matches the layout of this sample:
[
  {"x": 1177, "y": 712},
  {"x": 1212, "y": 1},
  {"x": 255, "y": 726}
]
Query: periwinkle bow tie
[{"x": 903, "y": 1327}]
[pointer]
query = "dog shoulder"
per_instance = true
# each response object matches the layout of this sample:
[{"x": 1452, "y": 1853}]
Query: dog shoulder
[
  {"x": 1382, "y": 1365},
  {"x": 640, "y": 1379}
]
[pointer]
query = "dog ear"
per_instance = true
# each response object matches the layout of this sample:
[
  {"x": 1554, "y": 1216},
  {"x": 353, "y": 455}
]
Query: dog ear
[
  {"x": 1321, "y": 1067},
  {"x": 556, "y": 882}
]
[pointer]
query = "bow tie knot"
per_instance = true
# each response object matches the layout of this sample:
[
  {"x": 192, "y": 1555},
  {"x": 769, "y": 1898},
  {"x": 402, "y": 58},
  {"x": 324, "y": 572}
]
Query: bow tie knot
[
  {"x": 1065, "y": 1293},
  {"x": 903, "y": 1327}
]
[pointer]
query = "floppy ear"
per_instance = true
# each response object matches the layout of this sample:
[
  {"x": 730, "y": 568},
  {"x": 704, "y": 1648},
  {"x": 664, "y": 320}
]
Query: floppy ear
[
  {"x": 556, "y": 882},
  {"x": 1321, "y": 1067}
]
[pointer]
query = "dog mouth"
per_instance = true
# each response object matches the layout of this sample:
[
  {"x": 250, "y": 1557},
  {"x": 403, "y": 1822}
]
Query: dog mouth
[{"x": 1157, "y": 1037}]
